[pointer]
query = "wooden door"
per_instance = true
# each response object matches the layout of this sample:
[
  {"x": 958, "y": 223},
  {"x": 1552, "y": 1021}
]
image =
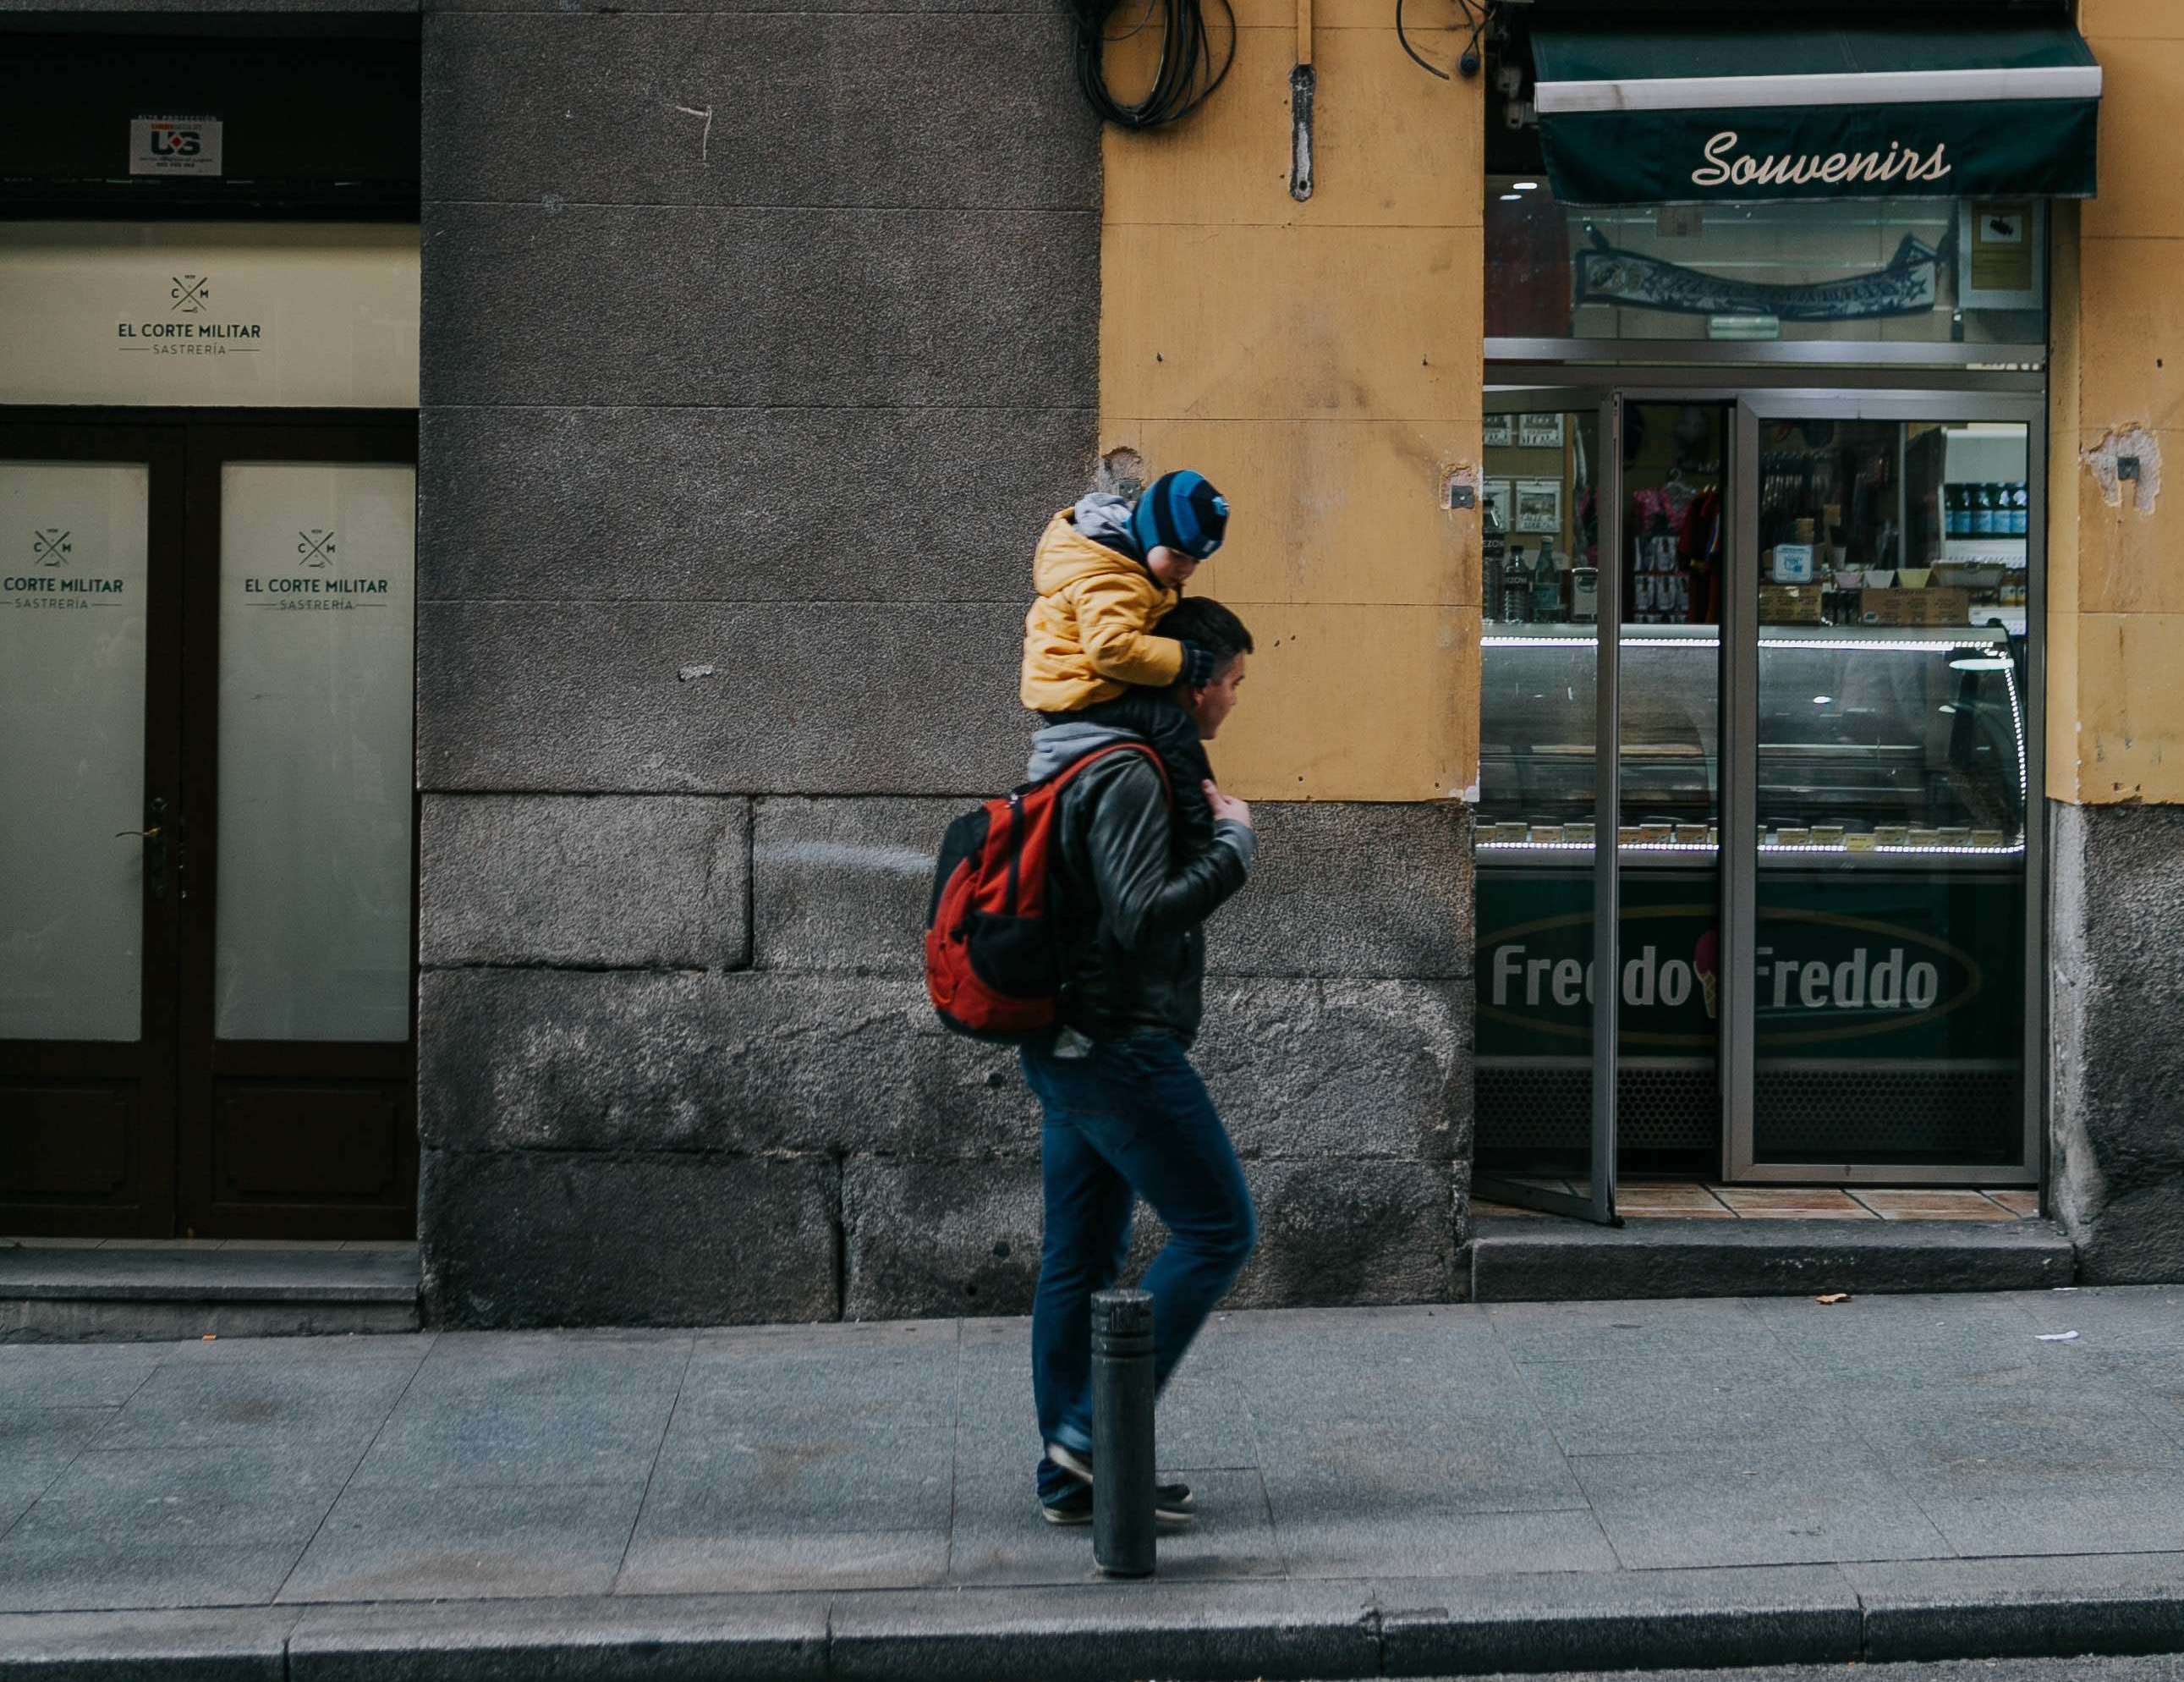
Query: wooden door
[
  {"x": 297, "y": 1019},
  {"x": 91, "y": 564},
  {"x": 259, "y": 1082}
]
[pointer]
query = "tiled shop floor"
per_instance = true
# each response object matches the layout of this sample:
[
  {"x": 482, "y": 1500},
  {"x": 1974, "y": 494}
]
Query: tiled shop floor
[{"x": 1690, "y": 1200}]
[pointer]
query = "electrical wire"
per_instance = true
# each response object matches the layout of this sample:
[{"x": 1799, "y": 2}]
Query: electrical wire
[
  {"x": 1433, "y": 70},
  {"x": 1186, "y": 74},
  {"x": 1477, "y": 16}
]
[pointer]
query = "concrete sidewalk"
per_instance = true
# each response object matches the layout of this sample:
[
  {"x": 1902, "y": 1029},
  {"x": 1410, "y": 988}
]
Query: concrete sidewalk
[{"x": 1424, "y": 1490}]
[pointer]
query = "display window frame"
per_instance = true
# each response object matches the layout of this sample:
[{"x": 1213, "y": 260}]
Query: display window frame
[{"x": 1756, "y": 395}]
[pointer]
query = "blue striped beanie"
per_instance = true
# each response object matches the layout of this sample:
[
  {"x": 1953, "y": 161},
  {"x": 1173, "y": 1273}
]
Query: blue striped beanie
[{"x": 1181, "y": 511}]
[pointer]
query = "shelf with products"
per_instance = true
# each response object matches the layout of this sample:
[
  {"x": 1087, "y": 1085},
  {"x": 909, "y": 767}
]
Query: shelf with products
[{"x": 1871, "y": 523}]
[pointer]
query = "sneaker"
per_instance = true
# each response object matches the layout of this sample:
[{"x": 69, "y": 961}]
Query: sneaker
[
  {"x": 1077, "y": 1463},
  {"x": 1171, "y": 1501},
  {"x": 1074, "y": 1505}
]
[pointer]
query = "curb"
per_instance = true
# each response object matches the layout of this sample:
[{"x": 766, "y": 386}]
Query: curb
[
  {"x": 1755, "y": 1616},
  {"x": 1516, "y": 1260}
]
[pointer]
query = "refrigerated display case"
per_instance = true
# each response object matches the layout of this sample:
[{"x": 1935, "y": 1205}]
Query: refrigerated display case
[{"x": 1891, "y": 799}]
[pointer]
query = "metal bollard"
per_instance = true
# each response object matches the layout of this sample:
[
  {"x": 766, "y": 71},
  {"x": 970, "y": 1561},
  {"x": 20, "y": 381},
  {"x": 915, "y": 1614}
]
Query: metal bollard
[{"x": 1123, "y": 1432}]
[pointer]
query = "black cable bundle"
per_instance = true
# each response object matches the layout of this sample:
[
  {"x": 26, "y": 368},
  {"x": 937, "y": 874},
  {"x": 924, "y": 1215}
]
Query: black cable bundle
[{"x": 1186, "y": 72}]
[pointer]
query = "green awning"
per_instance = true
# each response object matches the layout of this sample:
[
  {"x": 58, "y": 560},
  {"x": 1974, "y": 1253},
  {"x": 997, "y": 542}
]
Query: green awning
[{"x": 1649, "y": 116}]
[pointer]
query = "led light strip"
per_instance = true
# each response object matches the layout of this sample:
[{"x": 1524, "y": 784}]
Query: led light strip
[
  {"x": 2005, "y": 851},
  {"x": 1917, "y": 647}
]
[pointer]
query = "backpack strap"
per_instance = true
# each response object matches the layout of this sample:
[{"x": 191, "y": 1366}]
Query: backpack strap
[{"x": 1062, "y": 778}]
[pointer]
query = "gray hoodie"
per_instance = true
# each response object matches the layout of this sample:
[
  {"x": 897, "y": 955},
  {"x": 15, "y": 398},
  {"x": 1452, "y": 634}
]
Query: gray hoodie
[
  {"x": 1058, "y": 746},
  {"x": 1106, "y": 520}
]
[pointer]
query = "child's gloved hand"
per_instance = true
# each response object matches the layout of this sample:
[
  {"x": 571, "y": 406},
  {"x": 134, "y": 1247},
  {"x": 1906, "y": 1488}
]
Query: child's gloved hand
[{"x": 1197, "y": 665}]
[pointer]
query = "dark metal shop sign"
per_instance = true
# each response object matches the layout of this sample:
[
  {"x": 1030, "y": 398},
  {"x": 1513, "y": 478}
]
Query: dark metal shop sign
[
  {"x": 1789, "y": 102},
  {"x": 1975, "y": 148}
]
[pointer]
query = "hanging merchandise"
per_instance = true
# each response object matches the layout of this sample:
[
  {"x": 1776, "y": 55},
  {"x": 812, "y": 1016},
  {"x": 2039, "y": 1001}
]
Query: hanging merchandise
[{"x": 1906, "y": 287}]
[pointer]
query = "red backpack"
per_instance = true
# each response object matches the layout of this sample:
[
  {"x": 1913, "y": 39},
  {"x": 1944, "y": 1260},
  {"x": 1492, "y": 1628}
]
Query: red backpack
[{"x": 992, "y": 964}]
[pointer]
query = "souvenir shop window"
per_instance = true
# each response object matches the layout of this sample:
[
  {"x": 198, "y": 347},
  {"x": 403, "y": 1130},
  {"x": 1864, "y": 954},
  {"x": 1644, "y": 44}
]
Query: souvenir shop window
[{"x": 1865, "y": 270}]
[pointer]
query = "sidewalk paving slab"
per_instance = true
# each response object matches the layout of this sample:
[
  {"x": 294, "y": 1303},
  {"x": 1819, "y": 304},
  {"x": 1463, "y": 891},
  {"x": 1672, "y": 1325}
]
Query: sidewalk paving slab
[{"x": 1634, "y": 1483}]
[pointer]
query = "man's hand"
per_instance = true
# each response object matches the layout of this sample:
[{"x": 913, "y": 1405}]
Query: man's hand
[{"x": 1227, "y": 808}]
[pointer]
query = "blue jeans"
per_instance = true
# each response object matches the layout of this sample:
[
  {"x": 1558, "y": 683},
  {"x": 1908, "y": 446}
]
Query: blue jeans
[{"x": 1129, "y": 1119}]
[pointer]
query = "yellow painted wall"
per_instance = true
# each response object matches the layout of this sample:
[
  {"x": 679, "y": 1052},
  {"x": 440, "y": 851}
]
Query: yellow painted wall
[
  {"x": 2116, "y": 574},
  {"x": 1321, "y": 363}
]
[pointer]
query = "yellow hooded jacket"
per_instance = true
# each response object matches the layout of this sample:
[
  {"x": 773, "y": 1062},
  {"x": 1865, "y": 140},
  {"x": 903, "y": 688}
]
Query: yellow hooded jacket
[{"x": 1086, "y": 638}]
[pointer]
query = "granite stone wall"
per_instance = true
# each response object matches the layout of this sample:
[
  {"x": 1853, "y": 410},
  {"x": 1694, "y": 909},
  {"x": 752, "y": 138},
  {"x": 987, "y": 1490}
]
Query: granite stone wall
[
  {"x": 729, "y": 1100},
  {"x": 757, "y": 348},
  {"x": 2117, "y": 1061}
]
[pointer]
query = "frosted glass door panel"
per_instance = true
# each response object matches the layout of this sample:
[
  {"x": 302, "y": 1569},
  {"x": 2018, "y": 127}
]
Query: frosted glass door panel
[
  {"x": 317, "y": 583},
  {"x": 72, "y": 606}
]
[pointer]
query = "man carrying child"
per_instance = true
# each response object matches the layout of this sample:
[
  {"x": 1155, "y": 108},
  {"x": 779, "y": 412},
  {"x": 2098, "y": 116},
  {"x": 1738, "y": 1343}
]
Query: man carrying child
[{"x": 1112, "y": 655}]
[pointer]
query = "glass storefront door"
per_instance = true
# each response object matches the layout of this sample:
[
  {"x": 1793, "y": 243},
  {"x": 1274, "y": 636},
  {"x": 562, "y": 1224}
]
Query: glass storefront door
[
  {"x": 1547, "y": 818},
  {"x": 1885, "y": 788},
  {"x": 1817, "y": 725},
  {"x": 89, "y": 549},
  {"x": 206, "y": 835}
]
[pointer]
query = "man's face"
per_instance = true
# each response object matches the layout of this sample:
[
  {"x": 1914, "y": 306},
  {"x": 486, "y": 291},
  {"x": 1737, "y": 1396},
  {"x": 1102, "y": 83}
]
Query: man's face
[{"x": 1209, "y": 706}]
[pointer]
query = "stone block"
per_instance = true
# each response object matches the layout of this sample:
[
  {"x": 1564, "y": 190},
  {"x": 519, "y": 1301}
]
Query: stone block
[
  {"x": 749, "y": 307},
  {"x": 751, "y": 108},
  {"x": 738, "y": 1638},
  {"x": 1303, "y": 1069},
  {"x": 694, "y": 698},
  {"x": 743, "y": 505},
  {"x": 567, "y": 1060},
  {"x": 1618, "y": 1621},
  {"x": 245, "y": 1643},
  {"x": 1334, "y": 1232},
  {"x": 1920, "y": 1610},
  {"x": 922, "y": 1238},
  {"x": 2117, "y": 1058},
  {"x": 842, "y": 884},
  {"x": 1343, "y": 888},
  {"x": 640, "y": 881},
  {"x": 662, "y": 1239},
  {"x": 945, "y": 1238},
  {"x": 1088, "y": 1632}
]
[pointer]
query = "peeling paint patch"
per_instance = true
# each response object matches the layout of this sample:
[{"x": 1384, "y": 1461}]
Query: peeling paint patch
[
  {"x": 2129, "y": 455},
  {"x": 687, "y": 672},
  {"x": 1120, "y": 472}
]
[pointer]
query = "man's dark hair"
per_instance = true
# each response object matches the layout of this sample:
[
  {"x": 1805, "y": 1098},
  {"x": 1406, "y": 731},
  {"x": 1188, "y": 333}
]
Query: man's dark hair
[{"x": 1202, "y": 620}]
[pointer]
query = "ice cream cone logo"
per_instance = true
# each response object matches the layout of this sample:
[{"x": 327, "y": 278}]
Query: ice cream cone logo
[{"x": 1706, "y": 959}]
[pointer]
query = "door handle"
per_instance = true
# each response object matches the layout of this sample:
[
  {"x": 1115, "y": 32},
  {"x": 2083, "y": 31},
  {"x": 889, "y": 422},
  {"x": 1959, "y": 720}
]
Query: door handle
[{"x": 154, "y": 835}]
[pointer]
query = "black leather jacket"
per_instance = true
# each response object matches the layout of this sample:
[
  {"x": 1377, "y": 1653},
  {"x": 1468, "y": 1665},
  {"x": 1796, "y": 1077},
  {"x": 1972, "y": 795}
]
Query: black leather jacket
[{"x": 1128, "y": 915}]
